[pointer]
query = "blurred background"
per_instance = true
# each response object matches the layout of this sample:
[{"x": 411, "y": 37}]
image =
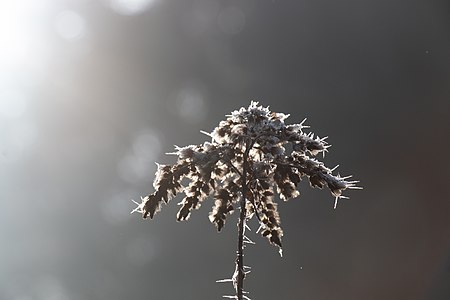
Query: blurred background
[{"x": 93, "y": 93}]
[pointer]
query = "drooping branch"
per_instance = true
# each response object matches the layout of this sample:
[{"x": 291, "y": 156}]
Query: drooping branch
[
  {"x": 167, "y": 184},
  {"x": 319, "y": 175}
]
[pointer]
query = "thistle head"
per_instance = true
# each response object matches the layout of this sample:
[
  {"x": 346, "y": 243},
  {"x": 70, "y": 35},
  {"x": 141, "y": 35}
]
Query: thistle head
[{"x": 258, "y": 139}]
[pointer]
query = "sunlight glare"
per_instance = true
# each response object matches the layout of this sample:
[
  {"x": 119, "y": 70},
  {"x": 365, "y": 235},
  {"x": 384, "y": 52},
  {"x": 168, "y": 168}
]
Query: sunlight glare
[
  {"x": 131, "y": 7},
  {"x": 137, "y": 164},
  {"x": 147, "y": 145},
  {"x": 20, "y": 40},
  {"x": 70, "y": 25},
  {"x": 191, "y": 104},
  {"x": 115, "y": 210}
]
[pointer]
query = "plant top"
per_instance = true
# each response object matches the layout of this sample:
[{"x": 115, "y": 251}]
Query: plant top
[{"x": 252, "y": 142}]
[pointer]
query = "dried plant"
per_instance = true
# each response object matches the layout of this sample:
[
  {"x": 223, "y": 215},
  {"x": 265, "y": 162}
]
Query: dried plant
[{"x": 246, "y": 164}]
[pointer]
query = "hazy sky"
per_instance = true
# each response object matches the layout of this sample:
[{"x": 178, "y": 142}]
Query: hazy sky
[{"x": 93, "y": 93}]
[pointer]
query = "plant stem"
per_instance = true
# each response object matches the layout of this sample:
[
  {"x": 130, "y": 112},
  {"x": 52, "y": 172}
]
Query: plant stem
[{"x": 241, "y": 226}]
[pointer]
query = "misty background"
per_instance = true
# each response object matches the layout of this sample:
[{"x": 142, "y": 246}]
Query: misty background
[{"x": 93, "y": 93}]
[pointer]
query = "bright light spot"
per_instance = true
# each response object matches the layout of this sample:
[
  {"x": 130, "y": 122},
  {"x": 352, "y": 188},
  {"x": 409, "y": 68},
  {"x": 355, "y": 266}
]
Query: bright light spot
[
  {"x": 117, "y": 209},
  {"x": 20, "y": 38},
  {"x": 131, "y": 7},
  {"x": 139, "y": 164},
  {"x": 141, "y": 250},
  {"x": 201, "y": 17},
  {"x": 133, "y": 170},
  {"x": 17, "y": 140},
  {"x": 231, "y": 20},
  {"x": 190, "y": 104},
  {"x": 12, "y": 104},
  {"x": 195, "y": 22},
  {"x": 147, "y": 146},
  {"x": 70, "y": 25}
]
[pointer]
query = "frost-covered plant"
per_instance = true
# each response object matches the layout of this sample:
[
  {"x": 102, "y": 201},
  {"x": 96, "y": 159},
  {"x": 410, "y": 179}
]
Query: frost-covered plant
[{"x": 245, "y": 165}]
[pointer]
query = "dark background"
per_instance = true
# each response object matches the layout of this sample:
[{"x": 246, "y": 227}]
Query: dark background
[{"x": 93, "y": 93}]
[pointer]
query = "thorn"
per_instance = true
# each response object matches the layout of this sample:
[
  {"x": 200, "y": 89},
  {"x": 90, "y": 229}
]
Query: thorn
[
  {"x": 353, "y": 182},
  {"x": 352, "y": 187},
  {"x": 206, "y": 133},
  {"x": 248, "y": 241},
  {"x": 261, "y": 226},
  {"x": 302, "y": 122},
  {"x": 224, "y": 280},
  {"x": 332, "y": 170},
  {"x": 138, "y": 208}
]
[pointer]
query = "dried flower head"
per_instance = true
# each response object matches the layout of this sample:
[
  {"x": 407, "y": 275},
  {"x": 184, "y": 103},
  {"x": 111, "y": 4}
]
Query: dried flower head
[{"x": 249, "y": 144}]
